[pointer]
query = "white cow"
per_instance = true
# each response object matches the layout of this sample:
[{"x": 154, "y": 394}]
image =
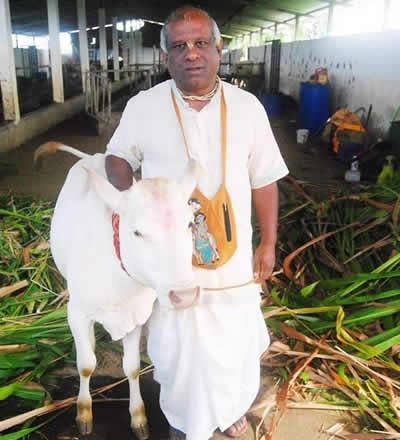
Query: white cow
[{"x": 156, "y": 251}]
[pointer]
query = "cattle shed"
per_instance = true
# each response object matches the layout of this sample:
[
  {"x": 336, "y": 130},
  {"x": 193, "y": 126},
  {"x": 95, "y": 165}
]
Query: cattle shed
[
  {"x": 327, "y": 74},
  {"x": 43, "y": 80}
]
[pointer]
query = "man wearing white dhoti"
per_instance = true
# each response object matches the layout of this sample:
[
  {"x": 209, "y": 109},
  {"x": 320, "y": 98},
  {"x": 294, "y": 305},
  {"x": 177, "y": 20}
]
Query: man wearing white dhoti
[{"x": 206, "y": 357}]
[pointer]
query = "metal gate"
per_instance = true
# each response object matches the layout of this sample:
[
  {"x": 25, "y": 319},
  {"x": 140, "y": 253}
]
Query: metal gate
[{"x": 98, "y": 95}]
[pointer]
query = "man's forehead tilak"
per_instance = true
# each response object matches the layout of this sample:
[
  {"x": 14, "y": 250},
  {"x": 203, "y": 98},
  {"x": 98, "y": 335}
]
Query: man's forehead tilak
[{"x": 191, "y": 16}]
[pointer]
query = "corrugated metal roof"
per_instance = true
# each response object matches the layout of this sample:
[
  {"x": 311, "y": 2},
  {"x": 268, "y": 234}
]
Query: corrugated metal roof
[{"x": 234, "y": 17}]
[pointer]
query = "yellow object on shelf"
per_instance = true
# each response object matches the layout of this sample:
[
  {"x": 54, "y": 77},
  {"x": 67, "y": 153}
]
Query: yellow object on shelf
[{"x": 321, "y": 75}]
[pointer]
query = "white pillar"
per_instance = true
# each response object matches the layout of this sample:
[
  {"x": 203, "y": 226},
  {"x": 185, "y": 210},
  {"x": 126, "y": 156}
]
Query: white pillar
[
  {"x": 261, "y": 43},
  {"x": 115, "y": 48},
  {"x": 132, "y": 51},
  {"x": 275, "y": 31},
  {"x": 83, "y": 40},
  {"x": 102, "y": 39},
  {"x": 296, "y": 28},
  {"x": 55, "y": 51},
  {"x": 330, "y": 19},
  {"x": 138, "y": 47},
  {"x": 388, "y": 4},
  {"x": 8, "y": 78},
  {"x": 125, "y": 49}
]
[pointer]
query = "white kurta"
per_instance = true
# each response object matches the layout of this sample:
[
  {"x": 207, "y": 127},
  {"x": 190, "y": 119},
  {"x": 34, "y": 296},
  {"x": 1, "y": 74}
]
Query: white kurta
[{"x": 206, "y": 357}]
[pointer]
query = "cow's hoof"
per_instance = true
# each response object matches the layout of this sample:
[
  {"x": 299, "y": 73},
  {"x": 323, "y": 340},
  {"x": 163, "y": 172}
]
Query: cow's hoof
[
  {"x": 85, "y": 426},
  {"x": 141, "y": 432},
  {"x": 84, "y": 417}
]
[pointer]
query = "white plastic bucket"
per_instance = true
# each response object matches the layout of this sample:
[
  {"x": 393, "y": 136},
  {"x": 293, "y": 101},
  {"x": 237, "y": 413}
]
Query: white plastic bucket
[{"x": 302, "y": 135}]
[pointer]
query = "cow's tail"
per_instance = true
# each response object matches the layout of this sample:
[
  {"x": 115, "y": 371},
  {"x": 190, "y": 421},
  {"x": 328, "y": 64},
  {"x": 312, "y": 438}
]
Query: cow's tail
[{"x": 53, "y": 147}]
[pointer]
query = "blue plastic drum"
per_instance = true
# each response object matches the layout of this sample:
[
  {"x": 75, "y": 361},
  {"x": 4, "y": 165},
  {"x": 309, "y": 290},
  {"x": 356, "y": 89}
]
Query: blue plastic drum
[
  {"x": 314, "y": 105},
  {"x": 272, "y": 104}
]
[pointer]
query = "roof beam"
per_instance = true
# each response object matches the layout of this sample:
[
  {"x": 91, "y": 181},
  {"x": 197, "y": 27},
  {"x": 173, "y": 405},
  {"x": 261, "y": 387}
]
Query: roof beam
[
  {"x": 242, "y": 28},
  {"x": 337, "y": 2},
  {"x": 257, "y": 19},
  {"x": 344, "y": 3},
  {"x": 238, "y": 11},
  {"x": 262, "y": 9},
  {"x": 291, "y": 11}
]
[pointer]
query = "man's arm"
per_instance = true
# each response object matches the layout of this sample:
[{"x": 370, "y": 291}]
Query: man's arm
[
  {"x": 119, "y": 172},
  {"x": 265, "y": 201}
]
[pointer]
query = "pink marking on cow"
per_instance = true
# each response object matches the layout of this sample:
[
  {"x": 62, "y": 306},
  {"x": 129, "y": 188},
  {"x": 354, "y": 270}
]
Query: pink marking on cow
[{"x": 159, "y": 194}]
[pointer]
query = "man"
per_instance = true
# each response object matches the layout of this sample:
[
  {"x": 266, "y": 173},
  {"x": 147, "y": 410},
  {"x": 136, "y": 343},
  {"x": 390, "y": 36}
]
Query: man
[{"x": 206, "y": 357}]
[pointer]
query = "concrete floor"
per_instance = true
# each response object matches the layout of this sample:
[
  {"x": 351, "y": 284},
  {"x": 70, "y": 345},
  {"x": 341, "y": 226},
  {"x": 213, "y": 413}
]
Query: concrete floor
[
  {"x": 311, "y": 162},
  {"x": 306, "y": 162}
]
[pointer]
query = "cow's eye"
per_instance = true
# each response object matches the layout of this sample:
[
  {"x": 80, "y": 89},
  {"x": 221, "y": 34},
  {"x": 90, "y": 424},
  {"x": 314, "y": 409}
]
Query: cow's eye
[
  {"x": 137, "y": 233},
  {"x": 190, "y": 226}
]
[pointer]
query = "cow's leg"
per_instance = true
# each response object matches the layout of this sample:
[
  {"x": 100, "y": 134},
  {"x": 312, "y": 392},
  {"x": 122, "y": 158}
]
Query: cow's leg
[
  {"x": 82, "y": 330},
  {"x": 131, "y": 364}
]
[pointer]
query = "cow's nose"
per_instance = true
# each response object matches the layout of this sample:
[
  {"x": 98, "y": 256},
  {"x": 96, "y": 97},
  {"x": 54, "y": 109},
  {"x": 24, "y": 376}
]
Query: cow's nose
[{"x": 181, "y": 299}]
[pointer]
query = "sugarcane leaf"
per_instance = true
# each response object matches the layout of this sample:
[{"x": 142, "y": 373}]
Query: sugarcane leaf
[
  {"x": 360, "y": 277},
  {"x": 29, "y": 392},
  {"x": 274, "y": 295},
  {"x": 308, "y": 290},
  {"x": 18, "y": 360},
  {"x": 383, "y": 336},
  {"x": 19, "y": 434},
  {"x": 7, "y": 390},
  {"x": 359, "y": 298},
  {"x": 387, "y": 344}
]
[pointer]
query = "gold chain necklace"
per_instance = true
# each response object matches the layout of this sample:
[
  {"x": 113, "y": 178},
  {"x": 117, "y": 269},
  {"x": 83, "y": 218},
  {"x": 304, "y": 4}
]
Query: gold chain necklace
[{"x": 207, "y": 97}]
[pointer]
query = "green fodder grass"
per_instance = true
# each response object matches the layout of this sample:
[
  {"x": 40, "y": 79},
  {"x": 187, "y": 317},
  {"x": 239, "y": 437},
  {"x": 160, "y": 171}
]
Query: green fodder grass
[{"x": 334, "y": 299}]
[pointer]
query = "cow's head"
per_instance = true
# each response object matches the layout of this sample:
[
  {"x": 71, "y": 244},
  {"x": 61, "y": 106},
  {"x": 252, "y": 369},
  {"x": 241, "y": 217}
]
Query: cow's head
[{"x": 155, "y": 233}]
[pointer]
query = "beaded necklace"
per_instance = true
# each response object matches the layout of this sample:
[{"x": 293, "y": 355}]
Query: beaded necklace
[{"x": 206, "y": 97}]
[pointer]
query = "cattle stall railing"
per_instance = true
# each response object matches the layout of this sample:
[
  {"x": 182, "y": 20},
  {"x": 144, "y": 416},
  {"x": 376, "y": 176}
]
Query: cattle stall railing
[{"x": 98, "y": 94}]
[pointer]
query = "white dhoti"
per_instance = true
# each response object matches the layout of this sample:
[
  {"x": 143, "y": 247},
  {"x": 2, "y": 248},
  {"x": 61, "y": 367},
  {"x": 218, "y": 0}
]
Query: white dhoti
[
  {"x": 207, "y": 360},
  {"x": 206, "y": 357}
]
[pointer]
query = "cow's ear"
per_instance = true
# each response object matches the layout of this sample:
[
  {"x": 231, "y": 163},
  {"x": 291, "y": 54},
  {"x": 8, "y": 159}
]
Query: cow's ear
[
  {"x": 107, "y": 192},
  {"x": 190, "y": 178}
]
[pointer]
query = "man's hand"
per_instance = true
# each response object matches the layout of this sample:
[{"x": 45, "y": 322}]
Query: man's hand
[
  {"x": 119, "y": 172},
  {"x": 265, "y": 201},
  {"x": 264, "y": 261}
]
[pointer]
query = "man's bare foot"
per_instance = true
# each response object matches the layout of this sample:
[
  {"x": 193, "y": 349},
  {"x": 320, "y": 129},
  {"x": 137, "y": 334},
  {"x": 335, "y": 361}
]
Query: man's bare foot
[
  {"x": 174, "y": 434},
  {"x": 237, "y": 429}
]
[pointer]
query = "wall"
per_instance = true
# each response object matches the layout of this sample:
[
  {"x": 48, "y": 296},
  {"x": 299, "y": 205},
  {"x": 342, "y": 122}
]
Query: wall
[{"x": 363, "y": 69}]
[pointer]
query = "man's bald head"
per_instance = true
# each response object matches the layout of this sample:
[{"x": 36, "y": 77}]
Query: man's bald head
[{"x": 188, "y": 13}]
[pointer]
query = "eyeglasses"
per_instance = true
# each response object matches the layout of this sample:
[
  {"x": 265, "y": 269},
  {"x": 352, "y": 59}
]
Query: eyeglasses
[{"x": 198, "y": 44}]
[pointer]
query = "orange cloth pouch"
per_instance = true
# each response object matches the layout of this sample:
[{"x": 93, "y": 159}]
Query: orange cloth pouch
[{"x": 214, "y": 229}]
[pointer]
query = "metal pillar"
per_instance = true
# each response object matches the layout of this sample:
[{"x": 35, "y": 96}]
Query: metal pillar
[
  {"x": 388, "y": 4},
  {"x": 102, "y": 39},
  {"x": 55, "y": 51},
  {"x": 330, "y": 19},
  {"x": 8, "y": 78},
  {"x": 83, "y": 42},
  {"x": 125, "y": 49},
  {"x": 115, "y": 48}
]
